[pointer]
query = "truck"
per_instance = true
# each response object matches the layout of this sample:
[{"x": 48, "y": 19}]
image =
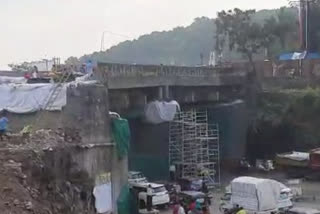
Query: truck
[
  {"x": 257, "y": 195},
  {"x": 300, "y": 164}
]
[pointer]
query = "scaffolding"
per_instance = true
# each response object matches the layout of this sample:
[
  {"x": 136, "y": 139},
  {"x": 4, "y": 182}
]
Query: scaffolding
[{"x": 194, "y": 146}]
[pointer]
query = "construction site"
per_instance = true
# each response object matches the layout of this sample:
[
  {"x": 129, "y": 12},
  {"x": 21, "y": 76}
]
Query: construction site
[
  {"x": 194, "y": 146},
  {"x": 98, "y": 142},
  {"x": 219, "y": 116},
  {"x": 67, "y": 146}
]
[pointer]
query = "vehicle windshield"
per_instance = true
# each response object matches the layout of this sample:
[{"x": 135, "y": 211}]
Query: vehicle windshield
[
  {"x": 284, "y": 195},
  {"x": 159, "y": 189}
]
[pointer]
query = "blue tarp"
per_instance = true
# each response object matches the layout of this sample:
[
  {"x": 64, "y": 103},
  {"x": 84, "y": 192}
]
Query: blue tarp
[{"x": 299, "y": 55}]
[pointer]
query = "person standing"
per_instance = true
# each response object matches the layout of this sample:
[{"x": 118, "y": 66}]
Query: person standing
[
  {"x": 149, "y": 197},
  {"x": 172, "y": 171},
  {"x": 35, "y": 73},
  {"x": 89, "y": 66},
  {"x": 3, "y": 124},
  {"x": 178, "y": 209},
  {"x": 192, "y": 207}
]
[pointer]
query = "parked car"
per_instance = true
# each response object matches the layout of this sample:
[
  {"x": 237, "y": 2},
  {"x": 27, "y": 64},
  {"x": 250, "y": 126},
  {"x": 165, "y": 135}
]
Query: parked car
[
  {"x": 302, "y": 210},
  {"x": 136, "y": 177},
  {"x": 160, "y": 194}
]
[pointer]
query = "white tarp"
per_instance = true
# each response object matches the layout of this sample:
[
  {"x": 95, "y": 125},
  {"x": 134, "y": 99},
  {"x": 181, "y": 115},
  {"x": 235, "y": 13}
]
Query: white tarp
[
  {"x": 25, "y": 98},
  {"x": 158, "y": 112},
  {"x": 297, "y": 55},
  {"x": 297, "y": 156},
  {"x": 16, "y": 80},
  {"x": 255, "y": 194},
  {"x": 103, "y": 198}
]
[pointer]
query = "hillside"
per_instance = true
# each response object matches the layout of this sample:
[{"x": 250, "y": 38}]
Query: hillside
[{"x": 180, "y": 46}]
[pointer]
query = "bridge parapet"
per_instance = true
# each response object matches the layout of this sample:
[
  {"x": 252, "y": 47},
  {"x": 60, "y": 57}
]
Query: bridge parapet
[{"x": 133, "y": 76}]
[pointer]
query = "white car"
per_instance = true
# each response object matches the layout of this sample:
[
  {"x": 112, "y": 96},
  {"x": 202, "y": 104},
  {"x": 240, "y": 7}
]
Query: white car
[
  {"x": 136, "y": 177},
  {"x": 160, "y": 194}
]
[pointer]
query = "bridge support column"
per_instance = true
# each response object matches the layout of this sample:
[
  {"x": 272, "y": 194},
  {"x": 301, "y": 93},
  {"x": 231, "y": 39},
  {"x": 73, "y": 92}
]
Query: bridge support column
[
  {"x": 160, "y": 93},
  {"x": 166, "y": 92}
]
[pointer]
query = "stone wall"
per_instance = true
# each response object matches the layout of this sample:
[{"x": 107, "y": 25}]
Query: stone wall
[{"x": 89, "y": 164}]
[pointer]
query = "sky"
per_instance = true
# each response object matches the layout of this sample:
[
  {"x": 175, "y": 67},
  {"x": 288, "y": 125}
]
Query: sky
[{"x": 38, "y": 29}]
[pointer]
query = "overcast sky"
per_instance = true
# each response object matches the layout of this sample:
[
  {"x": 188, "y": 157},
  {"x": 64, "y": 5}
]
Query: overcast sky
[{"x": 36, "y": 29}]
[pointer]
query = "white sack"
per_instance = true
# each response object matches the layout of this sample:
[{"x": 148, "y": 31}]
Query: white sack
[{"x": 158, "y": 112}]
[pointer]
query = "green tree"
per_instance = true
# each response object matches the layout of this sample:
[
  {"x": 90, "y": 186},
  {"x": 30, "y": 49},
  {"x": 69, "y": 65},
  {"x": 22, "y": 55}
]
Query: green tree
[
  {"x": 286, "y": 28},
  {"x": 23, "y": 67},
  {"x": 243, "y": 35},
  {"x": 314, "y": 26},
  {"x": 183, "y": 45}
]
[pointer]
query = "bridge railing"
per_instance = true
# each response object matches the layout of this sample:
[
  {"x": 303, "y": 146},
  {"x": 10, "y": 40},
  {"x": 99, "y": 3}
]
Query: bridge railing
[{"x": 121, "y": 70}]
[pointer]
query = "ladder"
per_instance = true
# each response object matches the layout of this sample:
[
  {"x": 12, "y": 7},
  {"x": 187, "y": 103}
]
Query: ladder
[
  {"x": 56, "y": 91},
  {"x": 53, "y": 95}
]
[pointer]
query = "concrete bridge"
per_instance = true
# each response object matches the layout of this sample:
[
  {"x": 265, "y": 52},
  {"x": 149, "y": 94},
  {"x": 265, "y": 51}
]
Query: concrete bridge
[
  {"x": 123, "y": 76},
  {"x": 132, "y": 86}
]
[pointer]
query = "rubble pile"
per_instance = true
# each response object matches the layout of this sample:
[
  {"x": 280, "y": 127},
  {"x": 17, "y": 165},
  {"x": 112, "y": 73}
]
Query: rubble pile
[
  {"x": 29, "y": 185},
  {"x": 43, "y": 139}
]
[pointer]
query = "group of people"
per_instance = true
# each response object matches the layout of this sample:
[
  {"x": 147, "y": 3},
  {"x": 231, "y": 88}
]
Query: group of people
[
  {"x": 34, "y": 74},
  {"x": 194, "y": 207}
]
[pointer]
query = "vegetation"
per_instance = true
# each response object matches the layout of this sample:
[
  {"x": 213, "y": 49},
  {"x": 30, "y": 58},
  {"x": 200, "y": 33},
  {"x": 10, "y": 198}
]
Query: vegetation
[
  {"x": 287, "y": 120},
  {"x": 314, "y": 25},
  {"x": 236, "y": 28},
  {"x": 188, "y": 45},
  {"x": 23, "y": 67}
]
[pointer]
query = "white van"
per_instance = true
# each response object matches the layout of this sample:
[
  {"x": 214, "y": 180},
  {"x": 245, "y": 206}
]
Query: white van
[
  {"x": 160, "y": 194},
  {"x": 257, "y": 195}
]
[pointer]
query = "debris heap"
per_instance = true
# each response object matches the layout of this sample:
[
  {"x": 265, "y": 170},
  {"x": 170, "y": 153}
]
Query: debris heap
[{"x": 27, "y": 182}]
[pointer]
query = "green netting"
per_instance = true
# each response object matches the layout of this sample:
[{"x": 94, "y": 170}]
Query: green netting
[
  {"x": 233, "y": 123},
  {"x": 121, "y": 135},
  {"x": 153, "y": 167},
  {"x": 125, "y": 202}
]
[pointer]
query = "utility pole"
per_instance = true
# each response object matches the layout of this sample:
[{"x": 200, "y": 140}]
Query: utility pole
[{"x": 304, "y": 14}]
